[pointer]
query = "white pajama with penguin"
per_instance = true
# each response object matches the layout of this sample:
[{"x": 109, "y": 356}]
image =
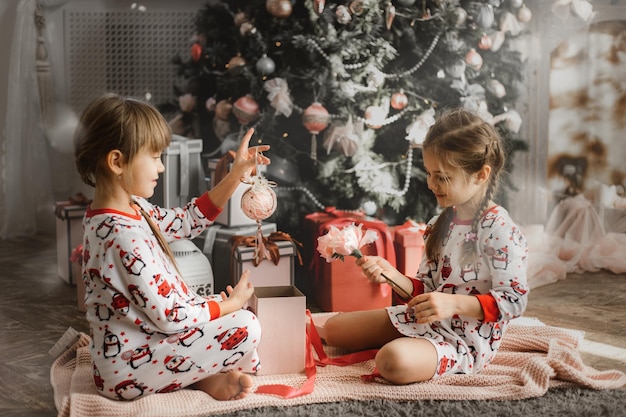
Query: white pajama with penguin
[
  {"x": 464, "y": 344},
  {"x": 151, "y": 333}
]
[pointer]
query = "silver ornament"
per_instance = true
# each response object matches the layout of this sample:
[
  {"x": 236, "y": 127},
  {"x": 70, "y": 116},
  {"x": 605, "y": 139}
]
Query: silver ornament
[{"x": 265, "y": 65}]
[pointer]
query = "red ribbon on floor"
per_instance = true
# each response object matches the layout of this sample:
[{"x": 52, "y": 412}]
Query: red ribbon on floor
[{"x": 314, "y": 343}]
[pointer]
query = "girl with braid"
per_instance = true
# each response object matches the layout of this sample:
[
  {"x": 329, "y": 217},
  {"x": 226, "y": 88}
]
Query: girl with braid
[
  {"x": 472, "y": 279},
  {"x": 151, "y": 333}
]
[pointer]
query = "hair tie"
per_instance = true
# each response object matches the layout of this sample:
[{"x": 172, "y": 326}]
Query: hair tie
[{"x": 471, "y": 237}]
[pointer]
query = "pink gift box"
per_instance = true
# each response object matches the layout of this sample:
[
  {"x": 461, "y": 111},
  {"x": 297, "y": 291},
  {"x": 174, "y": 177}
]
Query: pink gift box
[
  {"x": 266, "y": 273},
  {"x": 409, "y": 243},
  {"x": 281, "y": 310}
]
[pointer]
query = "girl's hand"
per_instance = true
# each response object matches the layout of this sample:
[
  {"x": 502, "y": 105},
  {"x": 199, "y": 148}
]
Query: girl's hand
[
  {"x": 374, "y": 266},
  {"x": 246, "y": 158},
  {"x": 432, "y": 306},
  {"x": 235, "y": 298}
]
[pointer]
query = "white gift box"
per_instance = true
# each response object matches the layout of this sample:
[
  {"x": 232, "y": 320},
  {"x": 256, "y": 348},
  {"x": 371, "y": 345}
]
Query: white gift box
[
  {"x": 232, "y": 215},
  {"x": 266, "y": 273},
  {"x": 217, "y": 247},
  {"x": 69, "y": 234},
  {"x": 184, "y": 177},
  {"x": 281, "y": 310}
]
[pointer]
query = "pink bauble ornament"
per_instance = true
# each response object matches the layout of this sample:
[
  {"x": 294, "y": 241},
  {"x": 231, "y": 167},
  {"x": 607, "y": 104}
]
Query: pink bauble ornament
[
  {"x": 473, "y": 59},
  {"x": 246, "y": 109},
  {"x": 315, "y": 118},
  {"x": 236, "y": 61},
  {"x": 259, "y": 201},
  {"x": 279, "y": 8},
  {"x": 399, "y": 100},
  {"x": 375, "y": 116},
  {"x": 485, "y": 42}
]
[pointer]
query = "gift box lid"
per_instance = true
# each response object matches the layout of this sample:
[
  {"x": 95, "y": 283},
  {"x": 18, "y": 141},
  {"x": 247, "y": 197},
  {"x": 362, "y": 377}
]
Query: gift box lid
[
  {"x": 66, "y": 210},
  {"x": 180, "y": 142},
  {"x": 246, "y": 253},
  {"x": 250, "y": 230}
]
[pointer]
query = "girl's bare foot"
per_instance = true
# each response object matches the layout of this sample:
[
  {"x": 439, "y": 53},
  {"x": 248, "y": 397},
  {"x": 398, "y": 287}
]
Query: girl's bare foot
[{"x": 233, "y": 385}]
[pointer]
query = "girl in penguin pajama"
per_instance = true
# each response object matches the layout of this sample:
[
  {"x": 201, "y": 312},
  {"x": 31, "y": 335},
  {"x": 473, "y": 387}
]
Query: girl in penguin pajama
[
  {"x": 150, "y": 332},
  {"x": 472, "y": 279}
]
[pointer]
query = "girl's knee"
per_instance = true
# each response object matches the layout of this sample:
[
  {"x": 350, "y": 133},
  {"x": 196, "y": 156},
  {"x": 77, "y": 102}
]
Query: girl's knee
[
  {"x": 402, "y": 363},
  {"x": 332, "y": 331}
]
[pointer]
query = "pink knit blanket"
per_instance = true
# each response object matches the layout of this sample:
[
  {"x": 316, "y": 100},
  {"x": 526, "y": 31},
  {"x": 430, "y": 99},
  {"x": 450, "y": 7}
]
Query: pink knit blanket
[{"x": 531, "y": 360}]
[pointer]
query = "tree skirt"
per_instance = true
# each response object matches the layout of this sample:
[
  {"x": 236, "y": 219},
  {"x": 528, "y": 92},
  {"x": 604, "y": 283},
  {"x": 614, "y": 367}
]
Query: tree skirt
[{"x": 531, "y": 360}]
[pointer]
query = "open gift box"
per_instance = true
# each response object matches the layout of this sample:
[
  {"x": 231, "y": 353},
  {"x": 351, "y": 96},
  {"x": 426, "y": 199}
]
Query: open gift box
[{"x": 281, "y": 310}]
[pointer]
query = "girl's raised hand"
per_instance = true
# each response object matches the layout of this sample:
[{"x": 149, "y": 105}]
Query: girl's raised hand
[{"x": 247, "y": 158}]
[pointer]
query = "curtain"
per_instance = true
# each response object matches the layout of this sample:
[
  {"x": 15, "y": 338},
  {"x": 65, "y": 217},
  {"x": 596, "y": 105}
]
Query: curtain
[{"x": 26, "y": 192}]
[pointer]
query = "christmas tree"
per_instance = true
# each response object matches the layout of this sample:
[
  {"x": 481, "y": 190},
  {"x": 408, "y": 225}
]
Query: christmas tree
[{"x": 344, "y": 92}]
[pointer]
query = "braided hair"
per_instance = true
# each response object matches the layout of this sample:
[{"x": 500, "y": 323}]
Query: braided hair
[{"x": 463, "y": 140}]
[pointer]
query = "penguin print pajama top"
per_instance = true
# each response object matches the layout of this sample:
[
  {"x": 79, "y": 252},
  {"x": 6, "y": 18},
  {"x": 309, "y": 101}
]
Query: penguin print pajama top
[
  {"x": 466, "y": 345},
  {"x": 150, "y": 332}
]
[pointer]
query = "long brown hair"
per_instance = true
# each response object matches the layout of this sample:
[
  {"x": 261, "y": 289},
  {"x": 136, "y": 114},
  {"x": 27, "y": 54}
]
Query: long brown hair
[
  {"x": 129, "y": 125},
  {"x": 461, "y": 139}
]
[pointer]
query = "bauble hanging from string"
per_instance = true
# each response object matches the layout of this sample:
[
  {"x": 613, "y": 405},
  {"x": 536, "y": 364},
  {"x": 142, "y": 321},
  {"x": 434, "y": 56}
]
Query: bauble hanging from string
[
  {"x": 319, "y": 5},
  {"x": 485, "y": 42},
  {"x": 265, "y": 65},
  {"x": 236, "y": 62},
  {"x": 246, "y": 109},
  {"x": 279, "y": 8},
  {"x": 524, "y": 14},
  {"x": 196, "y": 51},
  {"x": 315, "y": 118},
  {"x": 473, "y": 59},
  {"x": 399, "y": 100},
  {"x": 258, "y": 203}
]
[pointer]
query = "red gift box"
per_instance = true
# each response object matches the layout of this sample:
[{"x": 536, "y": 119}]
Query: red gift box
[
  {"x": 342, "y": 285},
  {"x": 409, "y": 245}
]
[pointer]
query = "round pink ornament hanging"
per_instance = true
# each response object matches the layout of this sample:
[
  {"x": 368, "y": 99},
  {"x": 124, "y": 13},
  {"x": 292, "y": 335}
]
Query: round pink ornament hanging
[
  {"x": 315, "y": 118},
  {"x": 258, "y": 203},
  {"x": 246, "y": 109}
]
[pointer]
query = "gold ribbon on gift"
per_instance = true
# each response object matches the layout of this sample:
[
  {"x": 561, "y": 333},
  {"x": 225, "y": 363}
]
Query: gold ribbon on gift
[{"x": 270, "y": 243}]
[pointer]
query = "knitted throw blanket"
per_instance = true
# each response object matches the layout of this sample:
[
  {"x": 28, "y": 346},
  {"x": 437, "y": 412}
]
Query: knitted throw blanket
[{"x": 531, "y": 360}]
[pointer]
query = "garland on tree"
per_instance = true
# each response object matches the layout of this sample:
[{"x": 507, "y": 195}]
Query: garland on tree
[{"x": 344, "y": 91}]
